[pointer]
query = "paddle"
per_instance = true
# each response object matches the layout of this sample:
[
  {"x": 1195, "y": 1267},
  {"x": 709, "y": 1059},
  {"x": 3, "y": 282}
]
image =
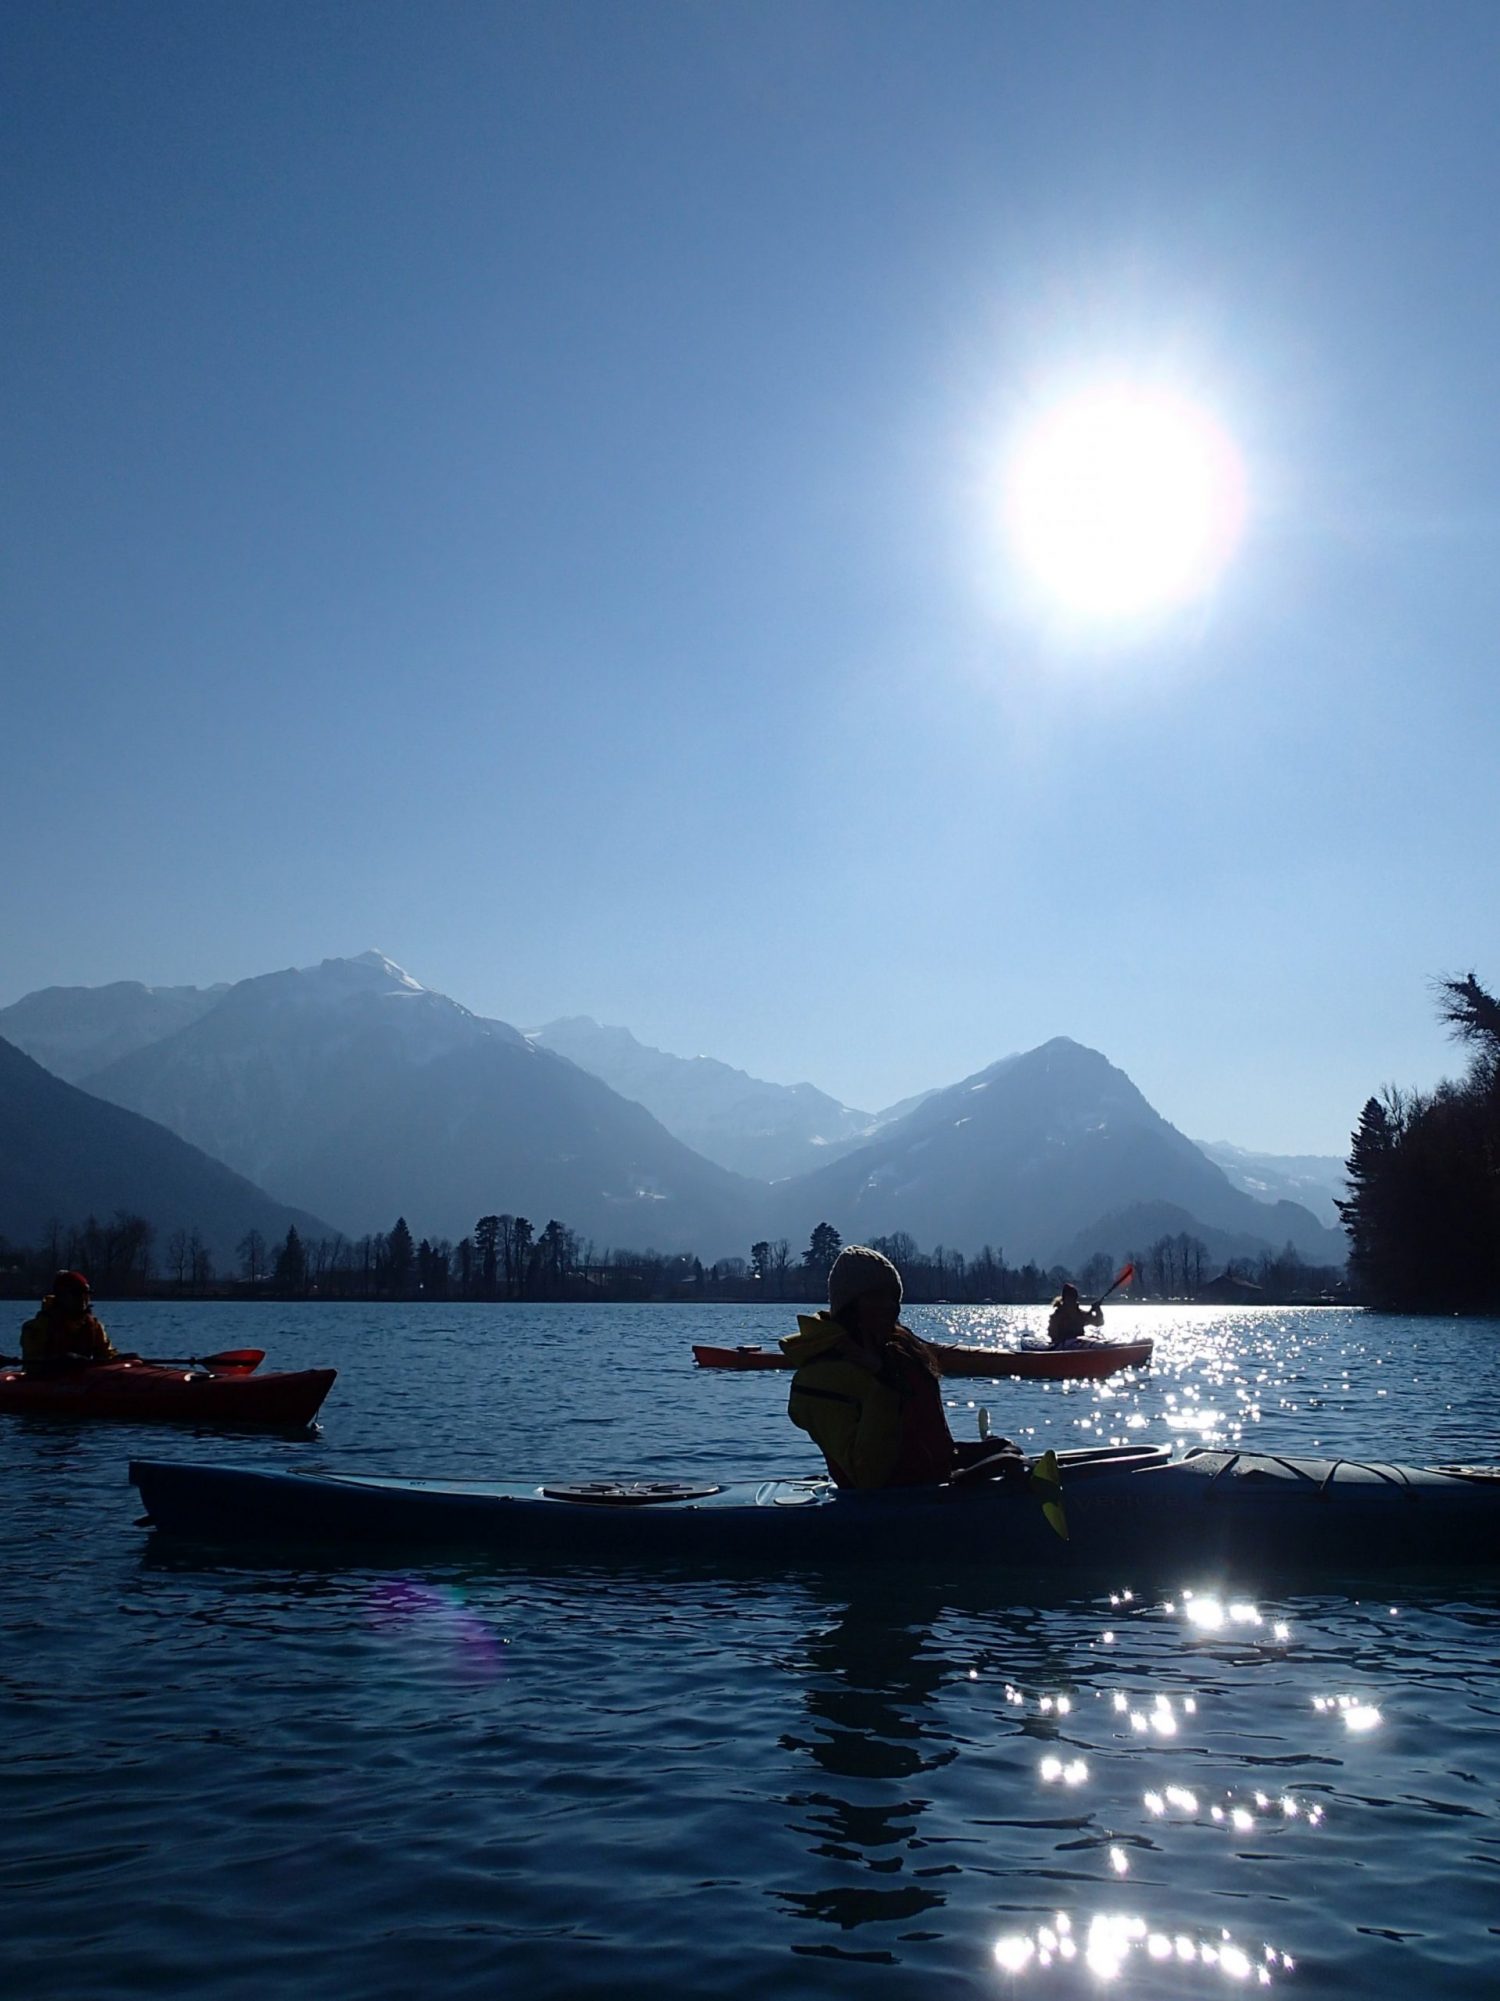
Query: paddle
[
  {"x": 1046, "y": 1484},
  {"x": 1121, "y": 1277},
  {"x": 1043, "y": 1477},
  {"x": 228, "y": 1362}
]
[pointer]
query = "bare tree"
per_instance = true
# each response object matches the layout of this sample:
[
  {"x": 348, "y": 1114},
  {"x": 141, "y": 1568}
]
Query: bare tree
[
  {"x": 781, "y": 1258},
  {"x": 179, "y": 1254},
  {"x": 251, "y": 1251}
]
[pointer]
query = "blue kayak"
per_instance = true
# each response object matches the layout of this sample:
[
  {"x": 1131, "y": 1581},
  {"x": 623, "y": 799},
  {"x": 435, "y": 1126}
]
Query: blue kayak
[{"x": 1258, "y": 1516}]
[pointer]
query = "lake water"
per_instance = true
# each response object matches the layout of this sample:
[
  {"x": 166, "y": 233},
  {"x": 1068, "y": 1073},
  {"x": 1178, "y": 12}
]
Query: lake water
[{"x": 228, "y": 1781}]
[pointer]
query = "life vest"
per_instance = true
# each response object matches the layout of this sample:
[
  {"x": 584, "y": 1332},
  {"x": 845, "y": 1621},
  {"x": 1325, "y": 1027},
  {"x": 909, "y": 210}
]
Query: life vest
[
  {"x": 884, "y": 1429},
  {"x": 1069, "y": 1319},
  {"x": 54, "y": 1336}
]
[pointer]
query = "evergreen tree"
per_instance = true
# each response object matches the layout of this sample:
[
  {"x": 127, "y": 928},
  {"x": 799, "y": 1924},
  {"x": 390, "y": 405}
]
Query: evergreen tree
[
  {"x": 400, "y": 1257},
  {"x": 291, "y": 1264},
  {"x": 515, "y": 1244},
  {"x": 1423, "y": 1211},
  {"x": 822, "y": 1249},
  {"x": 487, "y": 1251}
]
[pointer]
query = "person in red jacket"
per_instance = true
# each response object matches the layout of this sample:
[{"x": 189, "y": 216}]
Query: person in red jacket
[{"x": 64, "y": 1333}]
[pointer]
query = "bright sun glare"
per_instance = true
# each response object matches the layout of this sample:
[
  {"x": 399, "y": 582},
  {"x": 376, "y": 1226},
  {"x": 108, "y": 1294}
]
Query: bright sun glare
[{"x": 1123, "y": 501}]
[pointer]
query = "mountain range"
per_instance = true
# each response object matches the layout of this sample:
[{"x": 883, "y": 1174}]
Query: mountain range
[
  {"x": 1316, "y": 1180},
  {"x": 67, "y": 1156},
  {"x": 1030, "y": 1155},
  {"x": 767, "y": 1131},
  {"x": 351, "y": 1092},
  {"x": 72, "y": 1031}
]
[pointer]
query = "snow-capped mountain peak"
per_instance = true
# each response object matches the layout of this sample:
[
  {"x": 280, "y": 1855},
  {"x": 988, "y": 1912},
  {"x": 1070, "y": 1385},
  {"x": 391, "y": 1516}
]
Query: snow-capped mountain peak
[{"x": 382, "y": 964}]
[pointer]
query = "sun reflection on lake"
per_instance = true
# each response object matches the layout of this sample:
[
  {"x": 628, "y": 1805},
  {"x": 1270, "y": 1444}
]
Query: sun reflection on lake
[
  {"x": 1052, "y": 1769},
  {"x": 1111, "y": 1939},
  {"x": 1164, "y": 1802},
  {"x": 1358, "y": 1714}
]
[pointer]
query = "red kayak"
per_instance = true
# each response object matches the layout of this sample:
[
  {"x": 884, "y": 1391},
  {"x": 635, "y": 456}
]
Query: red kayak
[
  {"x": 1082, "y": 1359},
  {"x": 152, "y": 1392}
]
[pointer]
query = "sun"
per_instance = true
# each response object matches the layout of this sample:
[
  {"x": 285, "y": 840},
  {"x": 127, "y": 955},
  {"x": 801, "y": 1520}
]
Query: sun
[{"x": 1123, "y": 501}]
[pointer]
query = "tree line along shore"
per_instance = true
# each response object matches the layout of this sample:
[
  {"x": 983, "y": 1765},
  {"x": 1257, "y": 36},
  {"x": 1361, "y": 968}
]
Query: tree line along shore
[{"x": 504, "y": 1259}]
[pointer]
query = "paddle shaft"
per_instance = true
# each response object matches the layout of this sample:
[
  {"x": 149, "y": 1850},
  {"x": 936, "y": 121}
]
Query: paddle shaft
[
  {"x": 1114, "y": 1285},
  {"x": 232, "y": 1361}
]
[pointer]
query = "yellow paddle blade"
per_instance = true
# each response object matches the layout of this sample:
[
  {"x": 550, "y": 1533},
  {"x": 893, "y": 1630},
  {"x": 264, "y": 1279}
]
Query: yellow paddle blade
[{"x": 1046, "y": 1484}]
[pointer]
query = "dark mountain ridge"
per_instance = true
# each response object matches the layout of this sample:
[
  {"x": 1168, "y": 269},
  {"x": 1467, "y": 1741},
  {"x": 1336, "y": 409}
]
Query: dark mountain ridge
[
  {"x": 73, "y": 1031},
  {"x": 68, "y": 1155}
]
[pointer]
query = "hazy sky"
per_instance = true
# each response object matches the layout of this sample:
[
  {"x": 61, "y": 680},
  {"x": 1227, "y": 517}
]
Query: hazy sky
[{"x": 515, "y": 486}]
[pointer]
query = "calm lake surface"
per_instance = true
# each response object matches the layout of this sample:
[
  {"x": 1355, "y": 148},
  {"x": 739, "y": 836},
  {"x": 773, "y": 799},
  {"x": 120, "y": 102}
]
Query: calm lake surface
[{"x": 233, "y": 1781}]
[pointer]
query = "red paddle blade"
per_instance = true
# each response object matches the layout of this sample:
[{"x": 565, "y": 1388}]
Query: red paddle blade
[
  {"x": 1127, "y": 1273},
  {"x": 235, "y": 1361}
]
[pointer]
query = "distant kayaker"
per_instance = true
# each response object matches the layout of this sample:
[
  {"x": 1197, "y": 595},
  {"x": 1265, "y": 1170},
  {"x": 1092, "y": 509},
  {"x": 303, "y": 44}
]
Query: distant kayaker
[
  {"x": 65, "y": 1332},
  {"x": 866, "y": 1388},
  {"x": 1068, "y": 1318}
]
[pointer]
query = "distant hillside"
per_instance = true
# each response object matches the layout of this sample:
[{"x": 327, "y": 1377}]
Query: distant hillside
[
  {"x": 68, "y": 1156},
  {"x": 350, "y": 1088},
  {"x": 73, "y": 1031},
  {"x": 1316, "y": 1180},
  {"x": 1137, "y": 1227},
  {"x": 1022, "y": 1156},
  {"x": 767, "y": 1131}
]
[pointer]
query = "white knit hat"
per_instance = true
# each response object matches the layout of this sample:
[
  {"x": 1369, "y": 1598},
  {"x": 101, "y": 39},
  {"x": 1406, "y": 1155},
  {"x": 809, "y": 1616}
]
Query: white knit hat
[{"x": 858, "y": 1269}]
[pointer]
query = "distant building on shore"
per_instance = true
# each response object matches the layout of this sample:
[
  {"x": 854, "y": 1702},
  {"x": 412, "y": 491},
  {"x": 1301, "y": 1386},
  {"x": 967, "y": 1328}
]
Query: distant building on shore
[{"x": 1229, "y": 1289}]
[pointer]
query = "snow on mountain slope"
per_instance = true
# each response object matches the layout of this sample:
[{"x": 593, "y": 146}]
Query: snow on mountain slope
[{"x": 1316, "y": 1180}]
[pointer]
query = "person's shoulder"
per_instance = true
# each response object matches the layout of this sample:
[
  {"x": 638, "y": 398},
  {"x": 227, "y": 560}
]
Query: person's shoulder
[
  {"x": 834, "y": 1356},
  {"x": 835, "y": 1370}
]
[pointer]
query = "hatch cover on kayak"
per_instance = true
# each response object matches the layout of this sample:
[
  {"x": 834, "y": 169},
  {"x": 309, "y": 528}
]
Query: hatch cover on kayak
[{"x": 628, "y": 1493}]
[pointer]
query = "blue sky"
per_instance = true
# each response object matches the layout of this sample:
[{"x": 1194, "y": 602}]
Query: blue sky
[{"x": 514, "y": 486}]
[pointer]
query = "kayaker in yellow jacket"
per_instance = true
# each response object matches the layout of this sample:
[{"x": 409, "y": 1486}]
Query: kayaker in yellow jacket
[
  {"x": 65, "y": 1333},
  {"x": 866, "y": 1388}
]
